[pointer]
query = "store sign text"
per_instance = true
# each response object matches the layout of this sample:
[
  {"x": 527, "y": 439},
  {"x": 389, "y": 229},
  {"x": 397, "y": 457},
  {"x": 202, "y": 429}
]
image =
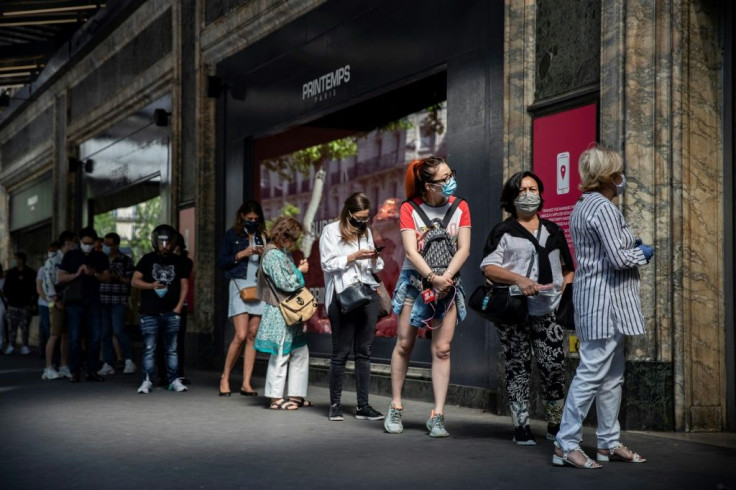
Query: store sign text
[{"x": 324, "y": 87}]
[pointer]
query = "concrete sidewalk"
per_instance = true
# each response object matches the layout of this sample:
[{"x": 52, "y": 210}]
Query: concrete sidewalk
[{"x": 59, "y": 435}]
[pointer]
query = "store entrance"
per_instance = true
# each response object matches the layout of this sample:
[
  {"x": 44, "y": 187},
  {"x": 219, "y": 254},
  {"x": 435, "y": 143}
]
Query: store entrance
[{"x": 308, "y": 171}]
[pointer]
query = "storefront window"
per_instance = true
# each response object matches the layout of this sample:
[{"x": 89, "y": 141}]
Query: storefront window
[{"x": 312, "y": 183}]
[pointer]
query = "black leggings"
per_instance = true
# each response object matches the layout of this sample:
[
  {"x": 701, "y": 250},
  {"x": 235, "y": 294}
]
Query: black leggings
[{"x": 352, "y": 331}]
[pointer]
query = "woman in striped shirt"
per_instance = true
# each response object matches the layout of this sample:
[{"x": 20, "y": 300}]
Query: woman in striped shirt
[{"x": 607, "y": 308}]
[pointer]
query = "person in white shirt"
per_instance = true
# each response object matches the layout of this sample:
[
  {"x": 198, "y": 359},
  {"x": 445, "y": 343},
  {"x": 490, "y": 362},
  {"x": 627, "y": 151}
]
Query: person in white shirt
[
  {"x": 607, "y": 309},
  {"x": 350, "y": 259}
]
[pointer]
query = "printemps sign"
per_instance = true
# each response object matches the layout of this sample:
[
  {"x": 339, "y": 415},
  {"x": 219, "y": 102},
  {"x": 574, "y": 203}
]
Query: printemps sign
[{"x": 325, "y": 86}]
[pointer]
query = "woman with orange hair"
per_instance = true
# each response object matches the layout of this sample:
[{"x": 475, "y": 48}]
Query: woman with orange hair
[{"x": 435, "y": 232}]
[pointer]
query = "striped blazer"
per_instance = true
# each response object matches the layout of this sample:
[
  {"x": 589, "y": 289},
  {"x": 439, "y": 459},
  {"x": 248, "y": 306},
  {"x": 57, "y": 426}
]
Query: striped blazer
[{"x": 606, "y": 292}]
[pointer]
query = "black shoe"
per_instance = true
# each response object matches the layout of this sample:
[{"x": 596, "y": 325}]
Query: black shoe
[
  {"x": 95, "y": 377},
  {"x": 366, "y": 412},
  {"x": 74, "y": 378},
  {"x": 335, "y": 413},
  {"x": 552, "y": 430},
  {"x": 523, "y": 436}
]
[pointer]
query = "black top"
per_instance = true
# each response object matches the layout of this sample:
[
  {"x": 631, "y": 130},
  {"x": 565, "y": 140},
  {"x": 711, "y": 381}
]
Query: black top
[
  {"x": 20, "y": 287},
  {"x": 167, "y": 269},
  {"x": 98, "y": 261}
]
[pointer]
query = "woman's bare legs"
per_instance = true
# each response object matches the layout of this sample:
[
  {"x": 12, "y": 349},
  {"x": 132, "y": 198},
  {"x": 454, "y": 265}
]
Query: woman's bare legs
[
  {"x": 249, "y": 358},
  {"x": 240, "y": 322},
  {"x": 406, "y": 337},
  {"x": 441, "y": 342}
]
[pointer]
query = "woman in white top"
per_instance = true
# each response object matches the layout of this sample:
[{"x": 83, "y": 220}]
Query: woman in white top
[
  {"x": 349, "y": 257},
  {"x": 531, "y": 253}
]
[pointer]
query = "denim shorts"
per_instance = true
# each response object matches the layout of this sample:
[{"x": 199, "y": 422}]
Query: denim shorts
[{"x": 408, "y": 291}]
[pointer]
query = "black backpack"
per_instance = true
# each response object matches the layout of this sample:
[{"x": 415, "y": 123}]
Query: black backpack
[{"x": 439, "y": 248}]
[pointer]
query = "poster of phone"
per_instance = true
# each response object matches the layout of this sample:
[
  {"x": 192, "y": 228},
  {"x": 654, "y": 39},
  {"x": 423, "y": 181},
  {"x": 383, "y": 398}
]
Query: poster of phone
[{"x": 559, "y": 139}]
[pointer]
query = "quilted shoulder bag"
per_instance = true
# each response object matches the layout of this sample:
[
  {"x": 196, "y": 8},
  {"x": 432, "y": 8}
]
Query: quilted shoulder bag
[{"x": 296, "y": 307}]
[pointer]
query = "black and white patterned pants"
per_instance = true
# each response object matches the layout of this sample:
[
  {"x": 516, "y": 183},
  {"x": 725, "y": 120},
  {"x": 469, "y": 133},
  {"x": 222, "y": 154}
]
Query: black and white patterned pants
[{"x": 543, "y": 336}]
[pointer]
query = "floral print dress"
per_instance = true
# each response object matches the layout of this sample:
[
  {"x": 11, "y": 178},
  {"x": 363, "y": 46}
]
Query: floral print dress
[{"x": 274, "y": 337}]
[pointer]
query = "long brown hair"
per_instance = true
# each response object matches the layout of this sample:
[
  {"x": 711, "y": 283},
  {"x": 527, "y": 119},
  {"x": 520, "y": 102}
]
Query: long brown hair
[
  {"x": 245, "y": 208},
  {"x": 357, "y": 202},
  {"x": 419, "y": 173}
]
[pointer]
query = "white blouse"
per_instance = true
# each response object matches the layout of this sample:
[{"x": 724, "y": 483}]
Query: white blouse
[{"x": 339, "y": 274}]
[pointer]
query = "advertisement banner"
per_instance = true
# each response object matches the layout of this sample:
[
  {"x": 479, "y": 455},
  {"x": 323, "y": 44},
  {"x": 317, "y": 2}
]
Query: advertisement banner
[{"x": 559, "y": 139}]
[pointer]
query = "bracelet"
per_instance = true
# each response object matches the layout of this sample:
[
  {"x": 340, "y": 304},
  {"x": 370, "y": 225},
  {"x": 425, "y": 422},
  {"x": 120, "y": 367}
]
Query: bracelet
[{"x": 430, "y": 276}]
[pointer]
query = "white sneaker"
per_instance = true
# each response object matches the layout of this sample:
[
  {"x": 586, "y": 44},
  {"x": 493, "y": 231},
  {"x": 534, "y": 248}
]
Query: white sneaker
[
  {"x": 64, "y": 372},
  {"x": 9, "y": 350},
  {"x": 145, "y": 387},
  {"x": 50, "y": 373},
  {"x": 24, "y": 350},
  {"x": 177, "y": 385},
  {"x": 106, "y": 369},
  {"x": 129, "y": 367}
]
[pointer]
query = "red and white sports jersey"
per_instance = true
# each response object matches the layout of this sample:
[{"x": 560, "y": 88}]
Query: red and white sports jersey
[{"x": 409, "y": 219}]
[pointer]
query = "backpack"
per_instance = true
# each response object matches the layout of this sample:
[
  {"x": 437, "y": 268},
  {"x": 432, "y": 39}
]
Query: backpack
[{"x": 439, "y": 248}]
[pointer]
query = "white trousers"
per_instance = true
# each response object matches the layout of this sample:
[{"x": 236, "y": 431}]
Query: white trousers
[
  {"x": 296, "y": 363},
  {"x": 599, "y": 376}
]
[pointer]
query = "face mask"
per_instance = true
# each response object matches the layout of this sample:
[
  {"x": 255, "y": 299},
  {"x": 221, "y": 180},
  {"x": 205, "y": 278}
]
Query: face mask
[
  {"x": 361, "y": 225},
  {"x": 161, "y": 292},
  {"x": 13, "y": 264},
  {"x": 527, "y": 203},
  {"x": 87, "y": 248},
  {"x": 620, "y": 187},
  {"x": 449, "y": 187},
  {"x": 106, "y": 249},
  {"x": 251, "y": 226}
]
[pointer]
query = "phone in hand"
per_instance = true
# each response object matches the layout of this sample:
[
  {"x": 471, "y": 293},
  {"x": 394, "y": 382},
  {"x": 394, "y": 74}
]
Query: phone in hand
[{"x": 379, "y": 248}]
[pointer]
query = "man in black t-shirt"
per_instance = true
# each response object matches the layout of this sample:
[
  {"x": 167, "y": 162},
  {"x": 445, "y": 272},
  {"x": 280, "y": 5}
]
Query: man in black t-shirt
[
  {"x": 162, "y": 278},
  {"x": 81, "y": 271},
  {"x": 20, "y": 293}
]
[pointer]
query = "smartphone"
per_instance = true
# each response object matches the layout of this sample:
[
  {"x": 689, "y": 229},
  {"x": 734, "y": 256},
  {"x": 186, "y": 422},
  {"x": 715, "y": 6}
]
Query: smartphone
[{"x": 379, "y": 248}]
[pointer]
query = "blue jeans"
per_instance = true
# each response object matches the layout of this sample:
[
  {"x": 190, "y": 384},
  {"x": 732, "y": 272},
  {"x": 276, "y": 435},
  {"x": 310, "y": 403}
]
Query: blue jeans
[
  {"x": 89, "y": 310},
  {"x": 113, "y": 321},
  {"x": 150, "y": 325}
]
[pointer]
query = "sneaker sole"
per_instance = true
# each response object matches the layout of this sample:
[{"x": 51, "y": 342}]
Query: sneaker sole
[
  {"x": 388, "y": 431},
  {"x": 525, "y": 443},
  {"x": 365, "y": 417},
  {"x": 446, "y": 434},
  {"x": 336, "y": 419}
]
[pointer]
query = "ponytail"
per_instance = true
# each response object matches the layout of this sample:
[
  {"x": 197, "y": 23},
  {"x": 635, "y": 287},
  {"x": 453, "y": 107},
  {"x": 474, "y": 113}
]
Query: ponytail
[{"x": 412, "y": 181}]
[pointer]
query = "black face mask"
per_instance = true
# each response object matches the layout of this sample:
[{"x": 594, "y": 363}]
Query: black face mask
[
  {"x": 361, "y": 225},
  {"x": 251, "y": 226}
]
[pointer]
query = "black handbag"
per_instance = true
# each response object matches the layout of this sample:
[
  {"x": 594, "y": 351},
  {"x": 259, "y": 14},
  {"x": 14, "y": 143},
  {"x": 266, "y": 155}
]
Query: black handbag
[
  {"x": 495, "y": 303},
  {"x": 565, "y": 315},
  {"x": 354, "y": 296}
]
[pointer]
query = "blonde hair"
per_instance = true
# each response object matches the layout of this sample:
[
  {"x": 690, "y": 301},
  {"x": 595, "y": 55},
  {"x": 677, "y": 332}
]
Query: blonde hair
[{"x": 597, "y": 166}]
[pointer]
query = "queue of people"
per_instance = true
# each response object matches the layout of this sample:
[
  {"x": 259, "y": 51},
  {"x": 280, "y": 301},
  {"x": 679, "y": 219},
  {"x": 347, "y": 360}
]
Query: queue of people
[{"x": 525, "y": 254}]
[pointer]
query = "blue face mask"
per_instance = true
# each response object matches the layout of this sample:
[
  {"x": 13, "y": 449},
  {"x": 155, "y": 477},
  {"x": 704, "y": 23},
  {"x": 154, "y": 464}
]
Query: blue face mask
[
  {"x": 449, "y": 187},
  {"x": 106, "y": 249},
  {"x": 621, "y": 186}
]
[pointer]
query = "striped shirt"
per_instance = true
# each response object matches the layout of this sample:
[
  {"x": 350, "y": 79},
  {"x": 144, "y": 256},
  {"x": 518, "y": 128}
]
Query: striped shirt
[{"x": 606, "y": 292}]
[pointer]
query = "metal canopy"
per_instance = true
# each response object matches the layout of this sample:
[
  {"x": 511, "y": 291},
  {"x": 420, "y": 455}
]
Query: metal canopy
[{"x": 31, "y": 32}]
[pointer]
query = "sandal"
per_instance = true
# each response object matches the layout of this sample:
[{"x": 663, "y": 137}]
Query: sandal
[
  {"x": 619, "y": 452},
  {"x": 300, "y": 401},
  {"x": 283, "y": 405},
  {"x": 561, "y": 458}
]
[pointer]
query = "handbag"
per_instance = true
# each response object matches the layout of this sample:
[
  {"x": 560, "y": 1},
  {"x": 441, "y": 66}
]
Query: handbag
[
  {"x": 384, "y": 299},
  {"x": 565, "y": 315},
  {"x": 495, "y": 303},
  {"x": 74, "y": 291},
  {"x": 354, "y": 296},
  {"x": 297, "y": 307},
  {"x": 247, "y": 293}
]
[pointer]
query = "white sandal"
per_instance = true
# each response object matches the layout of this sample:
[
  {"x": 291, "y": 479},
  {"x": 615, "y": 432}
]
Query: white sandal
[
  {"x": 562, "y": 459},
  {"x": 616, "y": 453}
]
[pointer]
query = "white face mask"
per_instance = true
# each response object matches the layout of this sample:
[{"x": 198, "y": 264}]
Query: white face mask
[
  {"x": 620, "y": 187},
  {"x": 87, "y": 248}
]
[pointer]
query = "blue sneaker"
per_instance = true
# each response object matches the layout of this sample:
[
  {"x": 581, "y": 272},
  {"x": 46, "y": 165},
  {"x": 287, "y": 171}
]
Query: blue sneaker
[
  {"x": 392, "y": 424},
  {"x": 436, "y": 425}
]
